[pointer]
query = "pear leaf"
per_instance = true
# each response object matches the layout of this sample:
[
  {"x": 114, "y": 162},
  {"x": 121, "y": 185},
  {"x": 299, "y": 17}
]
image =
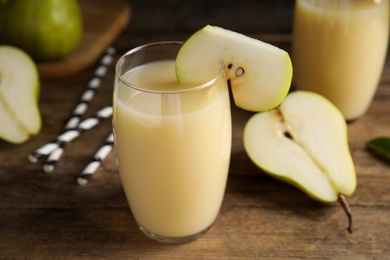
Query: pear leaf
[{"x": 381, "y": 147}]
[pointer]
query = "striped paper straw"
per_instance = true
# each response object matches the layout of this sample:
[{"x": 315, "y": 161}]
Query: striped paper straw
[
  {"x": 71, "y": 134},
  {"x": 95, "y": 163},
  {"x": 90, "y": 91},
  {"x": 55, "y": 153}
]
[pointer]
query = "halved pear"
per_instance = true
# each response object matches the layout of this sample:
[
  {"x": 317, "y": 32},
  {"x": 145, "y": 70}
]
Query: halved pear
[
  {"x": 10, "y": 129},
  {"x": 19, "y": 90},
  {"x": 304, "y": 142},
  {"x": 259, "y": 73}
]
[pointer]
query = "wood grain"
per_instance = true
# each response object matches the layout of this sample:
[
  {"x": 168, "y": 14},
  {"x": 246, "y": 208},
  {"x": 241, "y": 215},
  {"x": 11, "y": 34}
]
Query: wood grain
[{"x": 48, "y": 216}]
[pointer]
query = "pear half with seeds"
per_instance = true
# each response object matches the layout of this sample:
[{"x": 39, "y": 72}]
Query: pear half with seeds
[
  {"x": 259, "y": 73},
  {"x": 304, "y": 142}
]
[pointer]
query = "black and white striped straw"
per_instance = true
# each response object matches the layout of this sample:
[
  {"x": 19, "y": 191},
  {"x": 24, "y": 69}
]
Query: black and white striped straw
[
  {"x": 71, "y": 134},
  {"x": 95, "y": 163},
  {"x": 82, "y": 106},
  {"x": 91, "y": 88}
]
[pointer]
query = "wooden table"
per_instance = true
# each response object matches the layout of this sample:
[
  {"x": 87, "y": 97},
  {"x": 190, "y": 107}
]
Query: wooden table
[{"x": 48, "y": 216}]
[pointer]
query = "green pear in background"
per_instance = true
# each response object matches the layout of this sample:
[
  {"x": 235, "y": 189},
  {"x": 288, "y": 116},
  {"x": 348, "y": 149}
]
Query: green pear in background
[{"x": 45, "y": 29}]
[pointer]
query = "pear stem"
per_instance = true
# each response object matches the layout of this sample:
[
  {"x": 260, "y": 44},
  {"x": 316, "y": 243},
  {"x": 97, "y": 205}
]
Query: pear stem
[{"x": 348, "y": 212}]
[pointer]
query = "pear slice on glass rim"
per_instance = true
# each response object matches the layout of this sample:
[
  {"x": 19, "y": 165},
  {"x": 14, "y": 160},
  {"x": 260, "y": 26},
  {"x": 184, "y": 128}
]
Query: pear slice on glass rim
[{"x": 259, "y": 73}]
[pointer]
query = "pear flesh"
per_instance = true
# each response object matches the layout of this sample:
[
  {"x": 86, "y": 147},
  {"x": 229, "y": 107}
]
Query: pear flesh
[
  {"x": 259, "y": 73},
  {"x": 304, "y": 142},
  {"x": 19, "y": 91}
]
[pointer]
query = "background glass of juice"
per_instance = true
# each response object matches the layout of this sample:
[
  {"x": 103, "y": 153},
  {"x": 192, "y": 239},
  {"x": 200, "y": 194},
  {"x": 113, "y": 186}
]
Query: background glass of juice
[
  {"x": 172, "y": 143},
  {"x": 339, "y": 49}
]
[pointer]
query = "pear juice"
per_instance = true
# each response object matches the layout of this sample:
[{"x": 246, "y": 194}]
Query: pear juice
[{"x": 173, "y": 149}]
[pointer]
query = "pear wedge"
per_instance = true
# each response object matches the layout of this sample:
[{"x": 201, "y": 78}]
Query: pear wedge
[
  {"x": 304, "y": 142},
  {"x": 259, "y": 73},
  {"x": 19, "y": 90}
]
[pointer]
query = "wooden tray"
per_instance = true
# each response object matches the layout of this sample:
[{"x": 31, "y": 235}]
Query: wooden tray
[{"x": 103, "y": 21}]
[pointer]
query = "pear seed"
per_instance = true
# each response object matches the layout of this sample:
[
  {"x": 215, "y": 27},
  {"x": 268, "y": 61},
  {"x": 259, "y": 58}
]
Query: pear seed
[{"x": 240, "y": 71}]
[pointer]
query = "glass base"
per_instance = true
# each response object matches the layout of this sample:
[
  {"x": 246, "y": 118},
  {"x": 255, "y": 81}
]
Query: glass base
[{"x": 173, "y": 240}]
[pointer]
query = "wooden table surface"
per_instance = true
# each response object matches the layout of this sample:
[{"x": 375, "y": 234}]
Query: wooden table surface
[{"x": 48, "y": 216}]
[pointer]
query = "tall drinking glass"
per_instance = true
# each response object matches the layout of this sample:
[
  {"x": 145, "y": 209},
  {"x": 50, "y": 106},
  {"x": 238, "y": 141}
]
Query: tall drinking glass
[
  {"x": 339, "y": 48},
  {"x": 172, "y": 143}
]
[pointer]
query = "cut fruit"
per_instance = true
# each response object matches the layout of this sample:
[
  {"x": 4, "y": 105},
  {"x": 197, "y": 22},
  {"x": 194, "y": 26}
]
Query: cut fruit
[
  {"x": 304, "y": 142},
  {"x": 19, "y": 91},
  {"x": 259, "y": 73},
  {"x": 10, "y": 129}
]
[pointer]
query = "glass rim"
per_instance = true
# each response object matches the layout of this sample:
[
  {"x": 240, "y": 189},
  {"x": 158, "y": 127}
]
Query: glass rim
[
  {"x": 342, "y": 6},
  {"x": 194, "y": 88}
]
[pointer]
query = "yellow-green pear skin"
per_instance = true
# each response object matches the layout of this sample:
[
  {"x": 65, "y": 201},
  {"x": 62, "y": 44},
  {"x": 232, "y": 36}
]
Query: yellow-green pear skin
[
  {"x": 46, "y": 29},
  {"x": 259, "y": 73},
  {"x": 19, "y": 93},
  {"x": 304, "y": 142}
]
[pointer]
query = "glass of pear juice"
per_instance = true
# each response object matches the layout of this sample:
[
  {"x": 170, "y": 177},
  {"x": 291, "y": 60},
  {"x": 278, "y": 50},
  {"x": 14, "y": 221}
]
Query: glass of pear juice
[
  {"x": 172, "y": 143},
  {"x": 339, "y": 49}
]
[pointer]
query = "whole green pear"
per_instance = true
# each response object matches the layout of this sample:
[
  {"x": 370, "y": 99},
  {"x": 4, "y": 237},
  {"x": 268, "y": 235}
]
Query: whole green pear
[{"x": 45, "y": 29}]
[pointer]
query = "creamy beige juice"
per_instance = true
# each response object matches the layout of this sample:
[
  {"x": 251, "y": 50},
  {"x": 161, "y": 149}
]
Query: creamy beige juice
[
  {"x": 173, "y": 150},
  {"x": 339, "y": 50}
]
